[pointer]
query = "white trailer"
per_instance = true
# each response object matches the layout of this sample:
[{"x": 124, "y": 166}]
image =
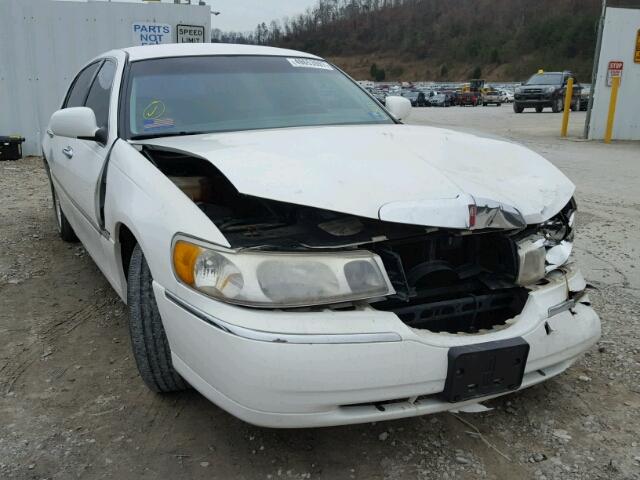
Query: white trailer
[{"x": 44, "y": 43}]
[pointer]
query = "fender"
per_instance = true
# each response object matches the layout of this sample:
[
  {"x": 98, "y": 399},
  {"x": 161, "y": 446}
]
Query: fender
[{"x": 154, "y": 221}]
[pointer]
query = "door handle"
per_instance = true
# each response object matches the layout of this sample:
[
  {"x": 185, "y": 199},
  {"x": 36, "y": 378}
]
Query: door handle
[
  {"x": 68, "y": 152},
  {"x": 50, "y": 133}
]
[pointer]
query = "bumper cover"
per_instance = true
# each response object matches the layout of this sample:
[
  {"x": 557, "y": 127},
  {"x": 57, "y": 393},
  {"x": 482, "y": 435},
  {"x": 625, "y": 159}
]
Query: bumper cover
[{"x": 307, "y": 379}]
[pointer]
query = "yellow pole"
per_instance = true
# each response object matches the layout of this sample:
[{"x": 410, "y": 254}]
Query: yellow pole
[
  {"x": 615, "y": 86},
  {"x": 567, "y": 108}
]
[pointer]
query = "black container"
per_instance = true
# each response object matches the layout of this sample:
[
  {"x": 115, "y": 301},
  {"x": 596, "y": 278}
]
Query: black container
[{"x": 11, "y": 148}]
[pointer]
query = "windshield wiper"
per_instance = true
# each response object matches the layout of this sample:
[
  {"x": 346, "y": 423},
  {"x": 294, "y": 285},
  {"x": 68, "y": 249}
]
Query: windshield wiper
[{"x": 147, "y": 136}]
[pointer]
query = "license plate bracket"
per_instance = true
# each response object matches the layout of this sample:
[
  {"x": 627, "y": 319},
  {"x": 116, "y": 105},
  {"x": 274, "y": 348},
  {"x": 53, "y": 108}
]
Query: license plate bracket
[{"x": 485, "y": 369}]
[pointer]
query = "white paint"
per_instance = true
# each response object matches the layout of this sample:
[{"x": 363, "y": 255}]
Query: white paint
[
  {"x": 44, "y": 43},
  {"x": 399, "y": 107},
  {"x": 178, "y": 49},
  {"x": 382, "y": 170},
  {"x": 621, "y": 27},
  {"x": 74, "y": 122}
]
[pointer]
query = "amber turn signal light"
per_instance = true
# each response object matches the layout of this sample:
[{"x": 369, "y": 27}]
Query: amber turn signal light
[{"x": 185, "y": 256}]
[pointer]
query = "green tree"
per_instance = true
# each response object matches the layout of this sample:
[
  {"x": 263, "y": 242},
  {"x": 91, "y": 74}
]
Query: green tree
[
  {"x": 495, "y": 56},
  {"x": 444, "y": 71},
  {"x": 373, "y": 71},
  {"x": 380, "y": 75},
  {"x": 477, "y": 72}
]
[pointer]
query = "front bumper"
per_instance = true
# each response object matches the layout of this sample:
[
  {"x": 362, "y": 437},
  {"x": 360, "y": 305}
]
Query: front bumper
[
  {"x": 534, "y": 102},
  {"x": 311, "y": 369}
]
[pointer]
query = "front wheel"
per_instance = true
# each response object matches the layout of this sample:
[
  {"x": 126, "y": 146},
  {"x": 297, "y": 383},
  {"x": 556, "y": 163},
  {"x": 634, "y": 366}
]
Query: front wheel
[
  {"x": 518, "y": 108},
  {"x": 558, "y": 105},
  {"x": 148, "y": 338},
  {"x": 539, "y": 109}
]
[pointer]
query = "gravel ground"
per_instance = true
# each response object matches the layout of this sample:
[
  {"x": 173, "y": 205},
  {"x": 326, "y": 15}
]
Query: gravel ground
[{"x": 72, "y": 405}]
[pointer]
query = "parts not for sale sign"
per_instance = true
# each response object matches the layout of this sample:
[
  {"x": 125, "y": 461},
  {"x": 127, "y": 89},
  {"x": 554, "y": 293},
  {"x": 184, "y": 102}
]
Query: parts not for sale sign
[{"x": 147, "y": 33}]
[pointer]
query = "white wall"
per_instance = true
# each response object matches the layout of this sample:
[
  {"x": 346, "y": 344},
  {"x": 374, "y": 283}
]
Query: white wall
[
  {"x": 44, "y": 43},
  {"x": 621, "y": 26}
]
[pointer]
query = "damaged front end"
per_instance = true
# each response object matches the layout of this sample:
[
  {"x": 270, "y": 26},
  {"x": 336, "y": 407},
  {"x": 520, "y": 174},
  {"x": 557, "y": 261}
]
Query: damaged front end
[{"x": 437, "y": 278}]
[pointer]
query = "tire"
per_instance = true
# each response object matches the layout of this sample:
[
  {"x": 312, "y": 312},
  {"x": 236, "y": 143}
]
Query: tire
[
  {"x": 484, "y": 104},
  {"x": 499, "y": 104},
  {"x": 558, "y": 105},
  {"x": 539, "y": 109},
  {"x": 65, "y": 230},
  {"x": 574, "y": 107},
  {"x": 148, "y": 339},
  {"x": 517, "y": 108}
]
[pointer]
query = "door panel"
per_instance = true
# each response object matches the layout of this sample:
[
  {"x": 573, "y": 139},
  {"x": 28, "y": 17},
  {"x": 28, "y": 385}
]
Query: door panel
[
  {"x": 77, "y": 164},
  {"x": 81, "y": 161}
]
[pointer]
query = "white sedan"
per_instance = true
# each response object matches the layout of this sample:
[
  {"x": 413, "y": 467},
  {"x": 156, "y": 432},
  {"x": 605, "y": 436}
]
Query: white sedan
[{"x": 289, "y": 248}]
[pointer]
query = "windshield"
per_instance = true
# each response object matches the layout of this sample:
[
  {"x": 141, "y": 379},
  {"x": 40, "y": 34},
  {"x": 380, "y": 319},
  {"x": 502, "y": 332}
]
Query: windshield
[
  {"x": 190, "y": 95},
  {"x": 546, "y": 79}
]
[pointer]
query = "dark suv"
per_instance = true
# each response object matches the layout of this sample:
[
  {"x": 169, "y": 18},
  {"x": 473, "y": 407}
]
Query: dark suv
[{"x": 546, "y": 89}]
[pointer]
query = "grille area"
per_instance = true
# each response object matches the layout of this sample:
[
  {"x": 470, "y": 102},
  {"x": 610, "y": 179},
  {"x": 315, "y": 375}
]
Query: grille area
[{"x": 453, "y": 283}]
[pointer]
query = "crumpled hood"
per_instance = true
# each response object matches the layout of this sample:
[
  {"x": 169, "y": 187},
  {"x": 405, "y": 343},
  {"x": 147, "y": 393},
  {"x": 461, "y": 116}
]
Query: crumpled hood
[{"x": 384, "y": 172}]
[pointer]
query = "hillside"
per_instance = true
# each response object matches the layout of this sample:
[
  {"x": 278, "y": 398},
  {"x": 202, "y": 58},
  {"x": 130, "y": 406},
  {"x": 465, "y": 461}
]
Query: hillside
[{"x": 442, "y": 39}]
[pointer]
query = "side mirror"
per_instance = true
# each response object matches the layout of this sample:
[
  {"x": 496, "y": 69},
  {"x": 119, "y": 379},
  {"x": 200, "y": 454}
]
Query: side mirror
[
  {"x": 399, "y": 107},
  {"x": 77, "y": 122}
]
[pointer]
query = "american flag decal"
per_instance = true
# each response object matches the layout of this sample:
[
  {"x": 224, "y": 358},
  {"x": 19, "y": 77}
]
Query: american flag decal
[{"x": 154, "y": 123}]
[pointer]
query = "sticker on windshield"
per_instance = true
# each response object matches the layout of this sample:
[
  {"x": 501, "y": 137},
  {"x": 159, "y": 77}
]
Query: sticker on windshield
[
  {"x": 158, "y": 123},
  {"x": 155, "y": 109},
  {"x": 309, "y": 63}
]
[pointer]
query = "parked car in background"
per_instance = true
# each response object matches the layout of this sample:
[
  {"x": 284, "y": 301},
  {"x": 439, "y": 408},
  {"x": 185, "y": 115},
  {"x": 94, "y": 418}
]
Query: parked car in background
[
  {"x": 440, "y": 100},
  {"x": 546, "y": 89},
  {"x": 416, "y": 98},
  {"x": 468, "y": 99},
  {"x": 307, "y": 262},
  {"x": 451, "y": 97},
  {"x": 585, "y": 95},
  {"x": 507, "y": 96},
  {"x": 492, "y": 97},
  {"x": 379, "y": 95}
]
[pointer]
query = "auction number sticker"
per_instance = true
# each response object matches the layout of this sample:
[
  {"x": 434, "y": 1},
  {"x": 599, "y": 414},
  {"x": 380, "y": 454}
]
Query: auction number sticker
[{"x": 309, "y": 63}]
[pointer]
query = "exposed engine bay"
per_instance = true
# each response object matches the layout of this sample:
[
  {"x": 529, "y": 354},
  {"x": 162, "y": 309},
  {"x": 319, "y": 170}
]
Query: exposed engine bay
[{"x": 445, "y": 280}]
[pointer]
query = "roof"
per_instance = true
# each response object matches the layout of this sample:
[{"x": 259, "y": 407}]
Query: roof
[{"x": 196, "y": 49}]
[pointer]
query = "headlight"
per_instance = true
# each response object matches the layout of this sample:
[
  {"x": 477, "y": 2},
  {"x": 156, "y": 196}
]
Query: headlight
[
  {"x": 548, "y": 248},
  {"x": 273, "y": 279},
  {"x": 531, "y": 260},
  {"x": 551, "y": 89},
  {"x": 559, "y": 233}
]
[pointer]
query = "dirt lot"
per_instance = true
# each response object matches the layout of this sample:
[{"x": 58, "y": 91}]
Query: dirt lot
[{"x": 72, "y": 405}]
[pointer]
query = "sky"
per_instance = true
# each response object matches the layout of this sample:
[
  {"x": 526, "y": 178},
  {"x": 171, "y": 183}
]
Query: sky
[{"x": 244, "y": 15}]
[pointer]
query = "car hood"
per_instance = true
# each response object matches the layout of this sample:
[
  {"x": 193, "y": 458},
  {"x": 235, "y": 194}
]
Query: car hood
[{"x": 399, "y": 173}]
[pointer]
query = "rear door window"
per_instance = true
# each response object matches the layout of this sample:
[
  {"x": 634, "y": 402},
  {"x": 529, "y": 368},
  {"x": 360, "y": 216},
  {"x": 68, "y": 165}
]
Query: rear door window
[{"x": 78, "y": 91}]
